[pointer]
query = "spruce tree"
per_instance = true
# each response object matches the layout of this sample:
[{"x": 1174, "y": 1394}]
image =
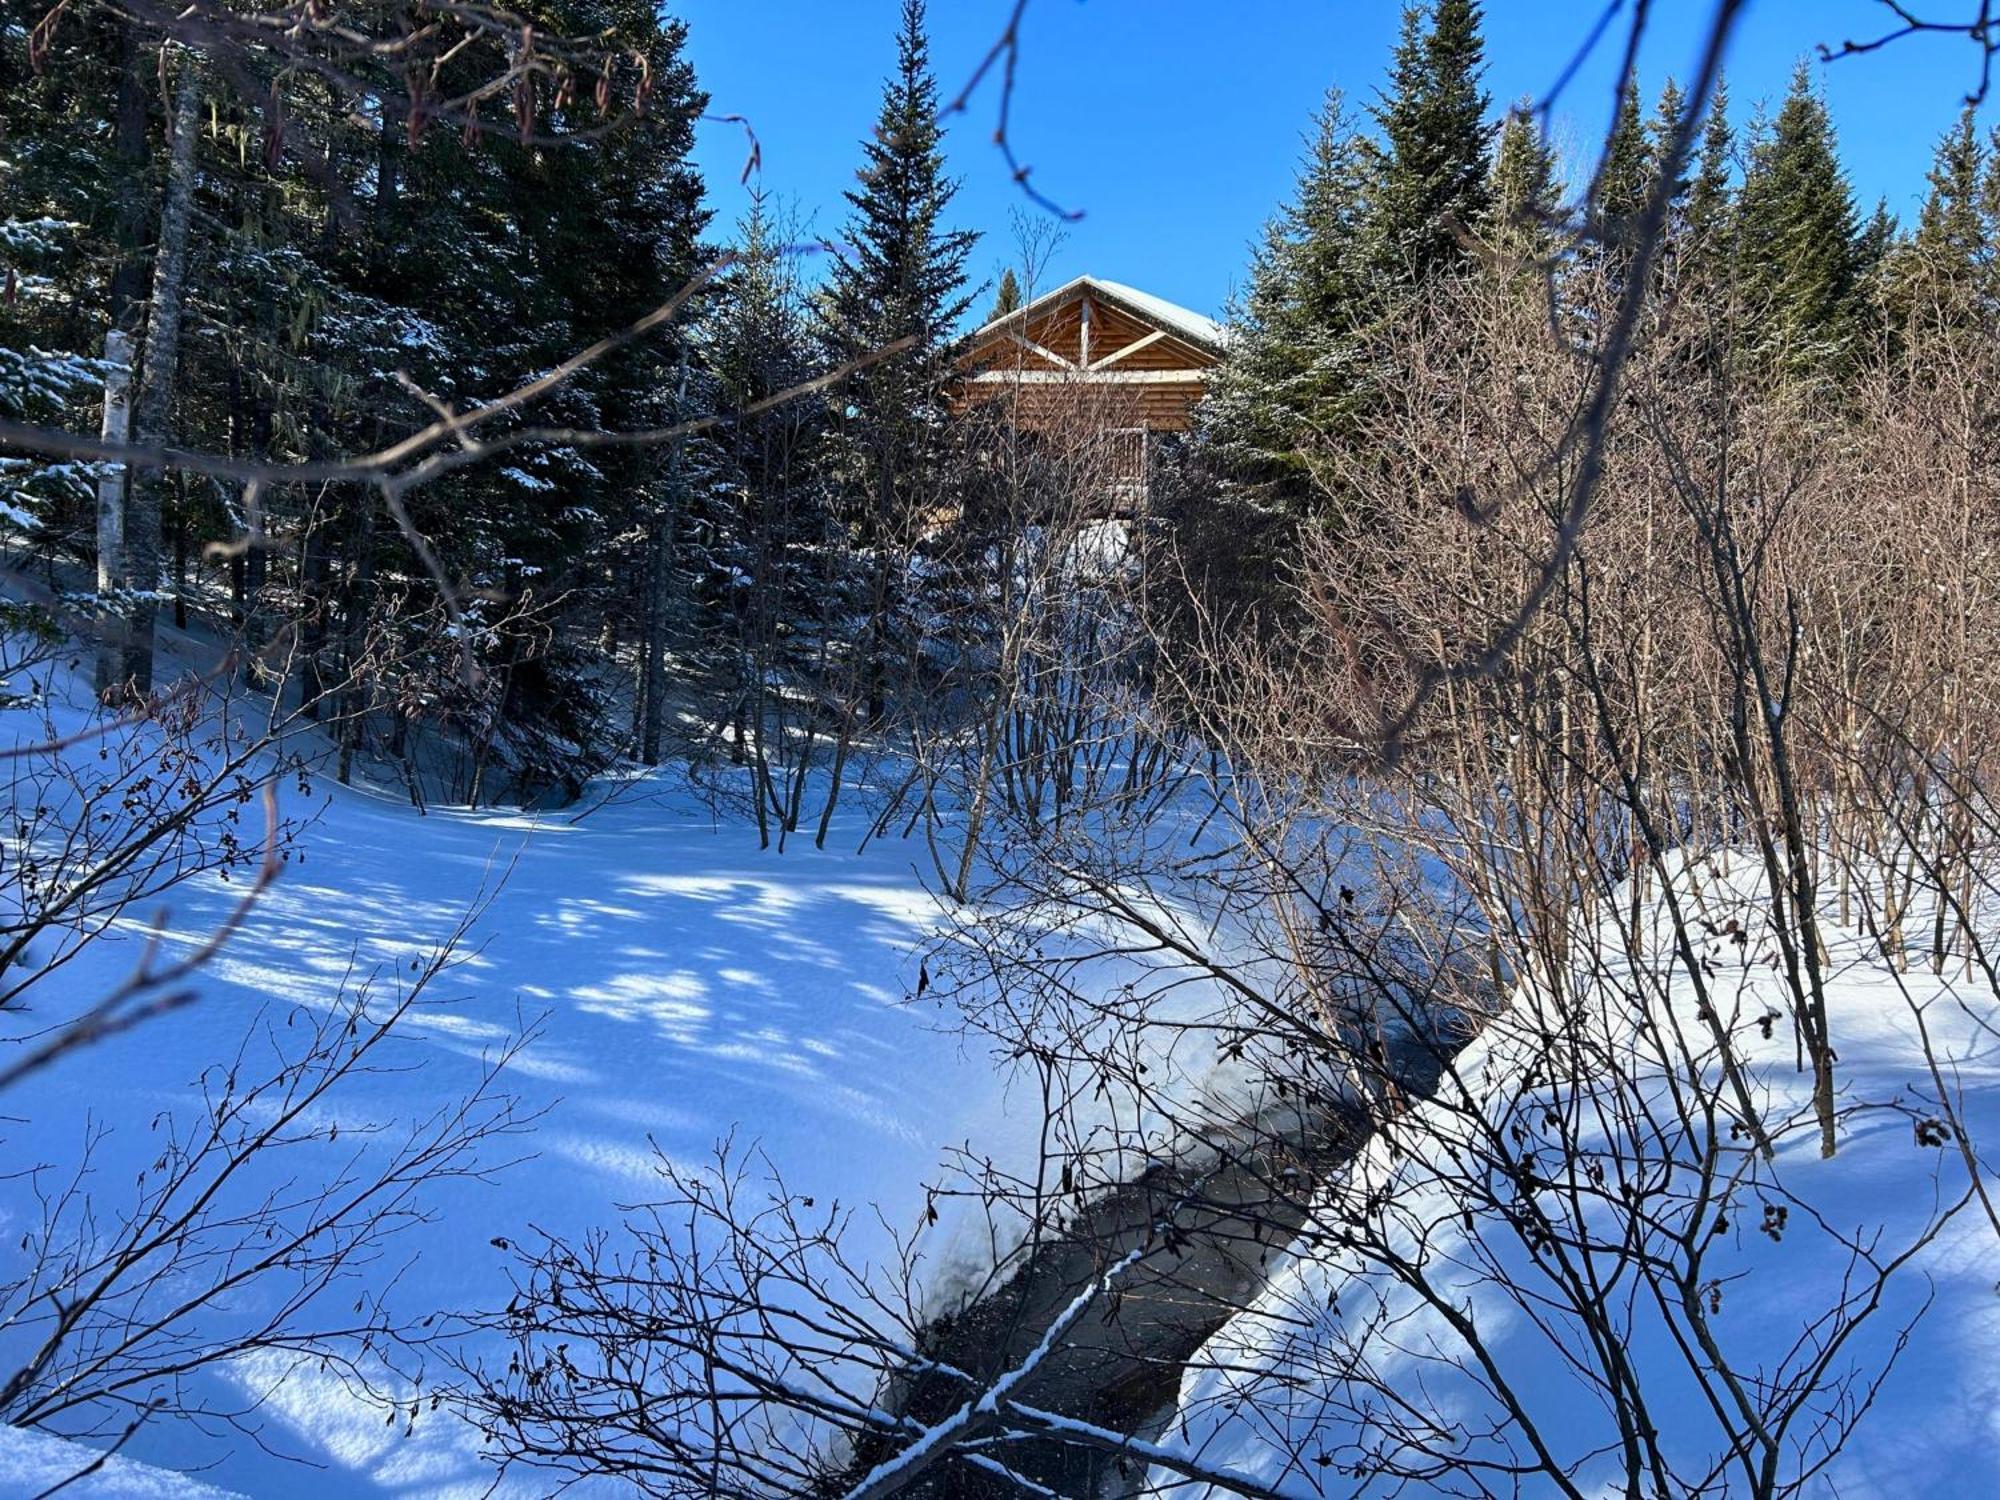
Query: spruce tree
[
  {"x": 1944, "y": 267},
  {"x": 1799, "y": 266},
  {"x": 1951, "y": 228},
  {"x": 900, "y": 278},
  {"x": 1874, "y": 248},
  {"x": 1623, "y": 179},
  {"x": 1526, "y": 193},
  {"x": 1292, "y": 376},
  {"x": 1431, "y": 188},
  {"x": 1008, "y": 298},
  {"x": 1989, "y": 188},
  {"x": 1706, "y": 225},
  {"x": 1660, "y": 131}
]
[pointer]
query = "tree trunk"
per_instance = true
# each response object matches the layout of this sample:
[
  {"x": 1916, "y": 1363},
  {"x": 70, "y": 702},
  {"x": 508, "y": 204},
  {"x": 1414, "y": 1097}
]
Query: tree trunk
[
  {"x": 389, "y": 152},
  {"x": 315, "y": 606},
  {"x": 181, "y": 557},
  {"x": 256, "y": 558},
  {"x": 355, "y": 596},
  {"x": 129, "y": 148},
  {"x": 127, "y": 302},
  {"x": 117, "y": 428},
  {"x": 153, "y": 410},
  {"x": 659, "y": 584}
]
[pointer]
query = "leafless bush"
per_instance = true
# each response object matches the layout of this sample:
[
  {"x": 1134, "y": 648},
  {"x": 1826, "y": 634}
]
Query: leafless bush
[
  {"x": 1694, "y": 764},
  {"x": 265, "y": 1223},
  {"x": 110, "y": 810}
]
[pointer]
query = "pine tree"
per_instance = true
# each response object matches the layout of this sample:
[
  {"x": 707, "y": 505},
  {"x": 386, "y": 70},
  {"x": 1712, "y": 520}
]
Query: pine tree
[
  {"x": 900, "y": 279},
  {"x": 1008, "y": 298},
  {"x": 1945, "y": 267},
  {"x": 1660, "y": 132},
  {"x": 1706, "y": 222},
  {"x": 1431, "y": 188},
  {"x": 1799, "y": 267},
  {"x": 1951, "y": 229},
  {"x": 1292, "y": 374},
  {"x": 1623, "y": 179},
  {"x": 1526, "y": 192},
  {"x": 770, "y": 610}
]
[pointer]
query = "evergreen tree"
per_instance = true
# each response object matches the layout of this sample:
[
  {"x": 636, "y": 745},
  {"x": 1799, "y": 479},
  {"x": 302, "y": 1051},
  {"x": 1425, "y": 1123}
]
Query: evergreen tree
[
  {"x": 79, "y": 191},
  {"x": 1660, "y": 131},
  {"x": 1369, "y": 222},
  {"x": 901, "y": 279},
  {"x": 1873, "y": 246},
  {"x": 1945, "y": 268},
  {"x": 329, "y": 250},
  {"x": 765, "y": 554},
  {"x": 1623, "y": 179},
  {"x": 1292, "y": 373},
  {"x": 1008, "y": 298},
  {"x": 901, "y": 273},
  {"x": 1951, "y": 229},
  {"x": 1705, "y": 219},
  {"x": 1989, "y": 188},
  {"x": 615, "y": 231},
  {"x": 1526, "y": 192},
  {"x": 1799, "y": 266},
  {"x": 1430, "y": 186}
]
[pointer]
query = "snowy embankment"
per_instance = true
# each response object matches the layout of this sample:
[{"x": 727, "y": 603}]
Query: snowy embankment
[
  {"x": 1435, "y": 1336},
  {"x": 681, "y": 984}
]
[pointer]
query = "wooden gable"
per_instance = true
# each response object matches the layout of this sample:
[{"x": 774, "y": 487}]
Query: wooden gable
[{"x": 1131, "y": 360}]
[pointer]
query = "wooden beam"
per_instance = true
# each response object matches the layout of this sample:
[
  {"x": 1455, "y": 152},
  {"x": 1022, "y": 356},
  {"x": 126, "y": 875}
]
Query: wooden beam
[
  {"x": 1083, "y": 336},
  {"x": 1049, "y": 354},
  {"x": 1132, "y": 348},
  {"x": 1099, "y": 376}
]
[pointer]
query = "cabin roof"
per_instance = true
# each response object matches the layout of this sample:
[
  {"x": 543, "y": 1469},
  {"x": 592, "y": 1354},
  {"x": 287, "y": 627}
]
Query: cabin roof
[{"x": 1184, "y": 322}]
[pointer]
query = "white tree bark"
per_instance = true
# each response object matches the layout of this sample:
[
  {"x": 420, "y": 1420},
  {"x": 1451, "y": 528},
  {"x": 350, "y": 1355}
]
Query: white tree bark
[{"x": 117, "y": 428}]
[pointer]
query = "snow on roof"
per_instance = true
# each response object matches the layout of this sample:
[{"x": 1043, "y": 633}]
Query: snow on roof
[{"x": 1184, "y": 321}]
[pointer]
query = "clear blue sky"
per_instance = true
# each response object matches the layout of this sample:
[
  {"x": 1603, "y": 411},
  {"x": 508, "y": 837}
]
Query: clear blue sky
[{"x": 1175, "y": 125}]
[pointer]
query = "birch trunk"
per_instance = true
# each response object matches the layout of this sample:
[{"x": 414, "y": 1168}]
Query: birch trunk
[
  {"x": 117, "y": 428},
  {"x": 127, "y": 298}
]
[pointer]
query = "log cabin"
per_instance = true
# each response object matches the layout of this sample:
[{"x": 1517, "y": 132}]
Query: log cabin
[{"x": 1126, "y": 364}]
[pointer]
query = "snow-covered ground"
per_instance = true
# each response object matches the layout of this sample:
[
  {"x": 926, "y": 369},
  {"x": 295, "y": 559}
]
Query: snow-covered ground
[
  {"x": 33, "y": 1463},
  {"x": 683, "y": 985},
  {"x": 1276, "y": 1393},
  {"x": 686, "y": 984}
]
